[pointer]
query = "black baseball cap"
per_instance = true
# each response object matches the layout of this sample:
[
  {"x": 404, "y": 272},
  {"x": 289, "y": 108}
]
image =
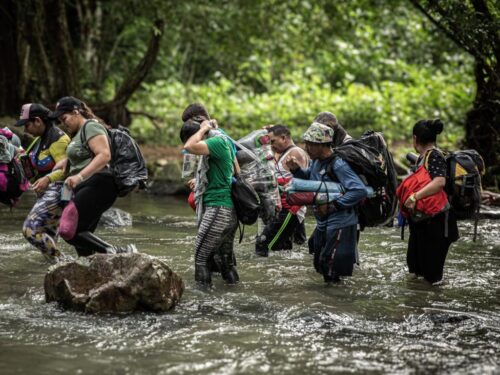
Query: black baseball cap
[
  {"x": 66, "y": 104},
  {"x": 31, "y": 110}
]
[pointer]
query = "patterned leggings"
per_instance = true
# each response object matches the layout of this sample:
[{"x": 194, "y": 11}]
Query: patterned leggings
[
  {"x": 40, "y": 226},
  {"x": 216, "y": 235}
]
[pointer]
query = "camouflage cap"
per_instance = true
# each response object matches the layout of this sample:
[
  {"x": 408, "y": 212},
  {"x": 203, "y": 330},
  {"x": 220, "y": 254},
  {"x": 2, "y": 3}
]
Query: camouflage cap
[{"x": 318, "y": 133}]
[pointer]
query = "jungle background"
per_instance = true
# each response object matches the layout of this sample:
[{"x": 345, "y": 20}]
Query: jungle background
[{"x": 376, "y": 64}]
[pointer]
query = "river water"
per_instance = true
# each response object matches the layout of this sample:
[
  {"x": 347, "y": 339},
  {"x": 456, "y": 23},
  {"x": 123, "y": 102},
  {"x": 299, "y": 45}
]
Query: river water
[{"x": 280, "y": 319}]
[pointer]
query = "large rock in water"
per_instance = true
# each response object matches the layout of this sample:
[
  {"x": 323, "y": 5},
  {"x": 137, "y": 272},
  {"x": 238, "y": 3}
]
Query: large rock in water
[
  {"x": 114, "y": 283},
  {"x": 114, "y": 217}
]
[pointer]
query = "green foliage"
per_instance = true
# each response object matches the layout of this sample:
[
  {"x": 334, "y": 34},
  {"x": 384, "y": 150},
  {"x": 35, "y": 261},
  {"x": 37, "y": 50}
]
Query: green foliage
[{"x": 391, "y": 107}]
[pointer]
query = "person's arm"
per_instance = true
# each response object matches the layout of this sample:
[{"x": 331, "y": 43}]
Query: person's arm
[
  {"x": 435, "y": 186},
  {"x": 294, "y": 166},
  {"x": 99, "y": 146},
  {"x": 58, "y": 153},
  {"x": 195, "y": 144},
  {"x": 355, "y": 190}
]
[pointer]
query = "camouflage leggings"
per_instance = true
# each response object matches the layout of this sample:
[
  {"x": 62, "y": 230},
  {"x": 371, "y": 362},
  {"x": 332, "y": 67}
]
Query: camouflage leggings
[{"x": 41, "y": 224}]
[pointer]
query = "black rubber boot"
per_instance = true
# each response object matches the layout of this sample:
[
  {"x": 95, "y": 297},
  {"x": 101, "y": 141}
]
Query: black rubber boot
[
  {"x": 228, "y": 271},
  {"x": 202, "y": 275},
  {"x": 91, "y": 243}
]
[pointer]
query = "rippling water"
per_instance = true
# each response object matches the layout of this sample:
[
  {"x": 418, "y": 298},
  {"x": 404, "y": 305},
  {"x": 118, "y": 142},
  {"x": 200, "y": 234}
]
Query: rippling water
[{"x": 280, "y": 319}]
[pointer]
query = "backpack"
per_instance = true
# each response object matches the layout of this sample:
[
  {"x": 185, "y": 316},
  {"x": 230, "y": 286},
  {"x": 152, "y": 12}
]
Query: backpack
[
  {"x": 246, "y": 201},
  {"x": 463, "y": 182},
  {"x": 127, "y": 165},
  {"x": 12, "y": 180},
  {"x": 370, "y": 158}
]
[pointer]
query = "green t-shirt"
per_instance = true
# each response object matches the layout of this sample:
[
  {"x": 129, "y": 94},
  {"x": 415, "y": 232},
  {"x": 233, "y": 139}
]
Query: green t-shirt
[
  {"x": 80, "y": 156},
  {"x": 220, "y": 173}
]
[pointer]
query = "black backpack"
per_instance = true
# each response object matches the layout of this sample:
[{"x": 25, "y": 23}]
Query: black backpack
[
  {"x": 463, "y": 182},
  {"x": 370, "y": 158},
  {"x": 246, "y": 201},
  {"x": 127, "y": 165}
]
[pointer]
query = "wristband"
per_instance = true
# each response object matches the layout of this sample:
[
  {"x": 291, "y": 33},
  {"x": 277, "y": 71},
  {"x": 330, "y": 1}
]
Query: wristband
[
  {"x": 413, "y": 198},
  {"x": 81, "y": 177}
]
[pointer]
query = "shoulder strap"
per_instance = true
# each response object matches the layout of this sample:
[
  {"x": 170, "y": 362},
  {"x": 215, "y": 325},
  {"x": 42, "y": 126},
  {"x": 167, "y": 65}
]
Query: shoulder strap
[
  {"x": 428, "y": 154},
  {"x": 329, "y": 167}
]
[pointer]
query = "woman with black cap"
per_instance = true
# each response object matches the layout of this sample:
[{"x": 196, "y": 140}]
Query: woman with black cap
[
  {"x": 430, "y": 234},
  {"x": 48, "y": 148},
  {"x": 89, "y": 178}
]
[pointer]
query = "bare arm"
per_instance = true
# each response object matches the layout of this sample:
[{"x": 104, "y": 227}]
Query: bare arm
[{"x": 195, "y": 144}]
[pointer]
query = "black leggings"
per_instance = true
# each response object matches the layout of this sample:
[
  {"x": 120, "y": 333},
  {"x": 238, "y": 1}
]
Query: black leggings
[{"x": 91, "y": 198}]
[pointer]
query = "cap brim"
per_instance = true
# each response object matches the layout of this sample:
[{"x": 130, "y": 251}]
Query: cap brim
[
  {"x": 21, "y": 122},
  {"x": 54, "y": 115}
]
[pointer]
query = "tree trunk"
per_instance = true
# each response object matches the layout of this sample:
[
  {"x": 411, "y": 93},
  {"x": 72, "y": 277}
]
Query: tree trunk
[
  {"x": 9, "y": 60},
  {"x": 483, "y": 123}
]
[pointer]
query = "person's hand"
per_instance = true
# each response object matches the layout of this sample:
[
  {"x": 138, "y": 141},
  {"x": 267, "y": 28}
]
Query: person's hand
[
  {"x": 41, "y": 185},
  {"x": 321, "y": 210},
  {"x": 208, "y": 125},
  {"x": 411, "y": 203},
  {"x": 73, "y": 181},
  {"x": 292, "y": 163},
  {"x": 191, "y": 184}
]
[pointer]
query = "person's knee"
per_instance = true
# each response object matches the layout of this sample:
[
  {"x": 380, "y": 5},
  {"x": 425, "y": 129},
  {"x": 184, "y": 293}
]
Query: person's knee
[
  {"x": 28, "y": 231},
  {"x": 69, "y": 222}
]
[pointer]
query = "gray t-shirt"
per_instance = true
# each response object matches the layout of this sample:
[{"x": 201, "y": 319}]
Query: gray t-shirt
[{"x": 79, "y": 155}]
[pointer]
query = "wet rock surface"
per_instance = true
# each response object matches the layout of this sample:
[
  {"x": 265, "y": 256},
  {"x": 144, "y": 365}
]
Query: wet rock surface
[
  {"x": 114, "y": 217},
  {"x": 114, "y": 284}
]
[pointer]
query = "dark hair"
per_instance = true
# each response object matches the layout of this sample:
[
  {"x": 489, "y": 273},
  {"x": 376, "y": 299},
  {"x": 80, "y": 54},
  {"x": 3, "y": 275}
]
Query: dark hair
[
  {"x": 193, "y": 110},
  {"x": 279, "y": 130},
  {"x": 426, "y": 130},
  {"x": 189, "y": 128},
  {"x": 328, "y": 119}
]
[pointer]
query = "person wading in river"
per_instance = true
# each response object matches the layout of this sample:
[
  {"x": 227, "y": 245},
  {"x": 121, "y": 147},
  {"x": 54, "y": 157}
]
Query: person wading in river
[
  {"x": 90, "y": 179},
  {"x": 48, "y": 148},
  {"x": 433, "y": 225},
  {"x": 279, "y": 233},
  {"x": 334, "y": 241},
  {"x": 217, "y": 221}
]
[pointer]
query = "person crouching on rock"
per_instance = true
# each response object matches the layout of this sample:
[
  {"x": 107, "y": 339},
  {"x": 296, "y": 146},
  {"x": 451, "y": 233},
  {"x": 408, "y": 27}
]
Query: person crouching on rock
[
  {"x": 217, "y": 221},
  {"x": 90, "y": 181},
  {"x": 335, "y": 236}
]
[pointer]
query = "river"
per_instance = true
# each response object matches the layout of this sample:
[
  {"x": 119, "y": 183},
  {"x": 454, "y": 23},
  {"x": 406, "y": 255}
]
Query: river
[{"x": 280, "y": 319}]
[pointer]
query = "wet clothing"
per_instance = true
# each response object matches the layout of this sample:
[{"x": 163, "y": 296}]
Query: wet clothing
[
  {"x": 42, "y": 222},
  {"x": 79, "y": 155},
  {"x": 40, "y": 226},
  {"x": 220, "y": 173},
  {"x": 280, "y": 232},
  {"x": 216, "y": 235},
  {"x": 217, "y": 220},
  {"x": 428, "y": 246},
  {"x": 82, "y": 214},
  {"x": 334, "y": 241},
  {"x": 431, "y": 238}
]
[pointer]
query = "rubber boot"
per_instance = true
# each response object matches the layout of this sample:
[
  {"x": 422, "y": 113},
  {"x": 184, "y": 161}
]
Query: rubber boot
[
  {"x": 228, "y": 271},
  {"x": 202, "y": 275},
  {"x": 89, "y": 241}
]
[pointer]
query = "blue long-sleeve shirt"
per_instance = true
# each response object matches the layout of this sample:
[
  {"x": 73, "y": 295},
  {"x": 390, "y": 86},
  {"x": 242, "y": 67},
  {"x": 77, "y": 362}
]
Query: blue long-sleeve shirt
[{"x": 355, "y": 191}]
